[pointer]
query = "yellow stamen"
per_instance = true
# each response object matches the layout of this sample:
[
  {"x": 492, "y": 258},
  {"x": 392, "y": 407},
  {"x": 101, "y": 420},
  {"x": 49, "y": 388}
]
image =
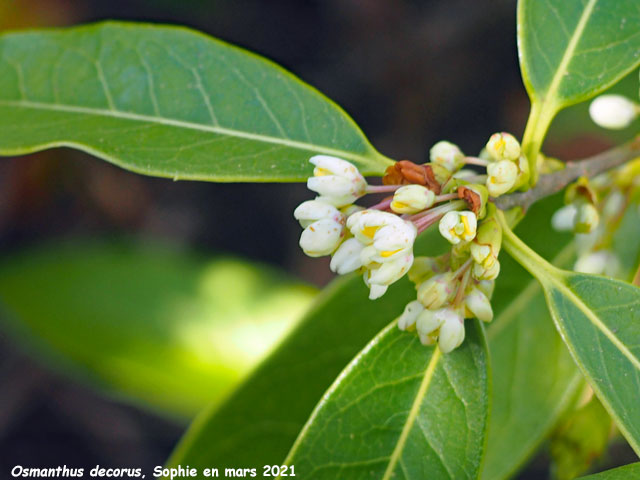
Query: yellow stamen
[
  {"x": 321, "y": 172},
  {"x": 388, "y": 253},
  {"x": 369, "y": 231},
  {"x": 467, "y": 229}
]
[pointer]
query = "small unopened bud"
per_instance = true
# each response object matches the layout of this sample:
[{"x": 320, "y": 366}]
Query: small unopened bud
[
  {"x": 602, "y": 262},
  {"x": 407, "y": 321},
  {"x": 447, "y": 155},
  {"x": 313, "y": 210},
  {"x": 613, "y": 111},
  {"x": 503, "y": 146},
  {"x": 321, "y": 237},
  {"x": 481, "y": 272},
  {"x": 424, "y": 268},
  {"x": 458, "y": 226},
  {"x": 437, "y": 290},
  {"x": 451, "y": 333},
  {"x": 346, "y": 258},
  {"x": 487, "y": 287},
  {"x": 412, "y": 199},
  {"x": 564, "y": 219},
  {"x": 587, "y": 218},
  {"x": 478, "y": 305},
  {"x": 336, "y": 180},
  {"x": 502, "y": 177},
  {"x": 486, "y": 246}
]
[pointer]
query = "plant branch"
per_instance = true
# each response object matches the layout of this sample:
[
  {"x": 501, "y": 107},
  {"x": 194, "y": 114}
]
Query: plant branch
[{"x": 554, "y": 182}]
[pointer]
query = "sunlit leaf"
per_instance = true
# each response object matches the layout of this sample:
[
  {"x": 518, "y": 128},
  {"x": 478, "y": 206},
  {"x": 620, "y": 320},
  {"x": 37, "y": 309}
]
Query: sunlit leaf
[{"x": 158, "y": 327}]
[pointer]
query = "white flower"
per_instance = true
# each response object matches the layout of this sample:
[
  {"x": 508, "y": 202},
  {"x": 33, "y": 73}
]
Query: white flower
[
  {"x": 458, "y": 226},
  {"x": 587, "y": 218},
  {"x": 346, "y": 258},
  {"x": 446, "y": 325},
  {"x": 321, "y": 237},
  {"x": 376, "y": 291},
  {"x": 337, "y": 181},
  {"x": 452, "y": 330},
  {"x": 407, "y": 320},
  {"x": 503, "y": 146},
  {"x": 390, "y": 271},
  {"x": 447, "y": 155},
  {"x": 613, "y": 111},
  {"x": 365, "y": 224},
  {"x": 436, "y": 291},
  {"x": 313, "y": 210},
  {"x": 479, "y": 305},
  {"x": 412, "y": 199},
  {"x": 602, "y": 262},
  {"x": 564, "y": 218},
  {"x": 480, "y": 272},
  {"x": 502, "y": 177}
]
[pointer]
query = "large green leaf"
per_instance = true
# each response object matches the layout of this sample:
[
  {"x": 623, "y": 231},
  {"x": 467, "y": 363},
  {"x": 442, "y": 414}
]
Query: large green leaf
[
  {"x": 599, "y": 320},
  {"x": 526, "y": 404},
  {"x": 168, "y": 102},
  {"x": 628, "y": 472},
  {"x": 570, "y": 50},
  {"x": 401, "y": 410},
  {"x": 250, "y": 432},
  {"x": 159, "y": 327}
]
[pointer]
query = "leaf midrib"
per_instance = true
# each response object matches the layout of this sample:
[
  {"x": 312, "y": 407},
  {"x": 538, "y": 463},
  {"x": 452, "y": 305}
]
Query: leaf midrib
[
  {"x": 592, "y": 317},
  {"x": 119, "y": 114},
  {"x": 413, "y": 414},
  {"x": 568, "y": 53}
]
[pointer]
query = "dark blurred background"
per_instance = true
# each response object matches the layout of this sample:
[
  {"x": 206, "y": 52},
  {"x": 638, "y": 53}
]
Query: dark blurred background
[{"x": 410, "y": 72}]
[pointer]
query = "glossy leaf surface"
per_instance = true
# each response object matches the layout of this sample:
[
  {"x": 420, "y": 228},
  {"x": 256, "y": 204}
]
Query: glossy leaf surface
[
  {"x": 291, "y": 381},
  {"x": 168, "y": 102},
  {"x": 156, "y": 326},
  {"x": 599, "y": 320},
  {"x": 532, "y": 386},
  {"x": 572, "y": 49},
  {"x": 628, "y": 472},
  {"x": 401, "y": 411}
]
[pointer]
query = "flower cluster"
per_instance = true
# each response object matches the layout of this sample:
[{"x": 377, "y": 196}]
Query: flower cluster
[
  {"x": 594, "y": 210},
  {"x": 378, "y": 241}
]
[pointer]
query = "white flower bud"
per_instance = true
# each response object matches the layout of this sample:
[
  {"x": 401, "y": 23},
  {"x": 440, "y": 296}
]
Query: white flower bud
[
  {"x": 602, "y": 262},
  {"x": 458, "y": 226},
  {"x": 407, "y": 320},
  {"x": 482, "y": 254},
  {"x": 503, "y": 146},
  {"x": 346, "y": 258},
  {"x": 502, "y": 177},
  {"x": 587, "y": 218},
  {"x": 428, "y": 323},
  {"x": 479, "y": 305},
  {"x": 313, "y": 210},
  {"x": 613, "y": 111},
  {"x": 480, "y": 272},
  {"x": 447, "y": 155},
  {"x": 437, "y": 290},
  {"x": 364, "y": 224},
  {"x": 564, "y": 219},
  {"x": 452, "y": 330},
  {"x": 338, "y": 181},
  {"x": 321, "y": 237},
  {"x": 412, "y": 199},
  {"x": 392, "y": 240},
  {"x": 391, "y": 271},
  {"x": 487, "y": 287}
]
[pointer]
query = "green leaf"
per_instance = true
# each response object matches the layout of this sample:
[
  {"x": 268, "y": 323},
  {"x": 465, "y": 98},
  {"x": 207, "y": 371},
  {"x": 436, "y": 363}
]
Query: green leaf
[
  {"x": 570, "y": 50},
  {"x": 156, "y": 326},
  {"x": 401, "y": 410},
  {"x": 628, "y": 472},
  {"x": 168, "y": 102},
  {"x": 599, "y": 320},
  {"x": 291, "y": 381},
  {"x": 526, "y": 404}
]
